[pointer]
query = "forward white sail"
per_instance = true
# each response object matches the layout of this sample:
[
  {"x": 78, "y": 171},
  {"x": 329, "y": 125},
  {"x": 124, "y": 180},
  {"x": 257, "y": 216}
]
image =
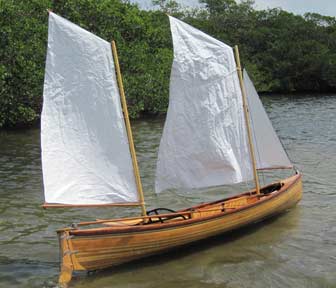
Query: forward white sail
[
  {"x": 268, "y": 149},
  {"x": 204, "y": 142},
  {"x": 85, "y": 151}
]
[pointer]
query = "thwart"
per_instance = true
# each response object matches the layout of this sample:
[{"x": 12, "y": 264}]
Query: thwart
[{"x": 216, "y": 133}]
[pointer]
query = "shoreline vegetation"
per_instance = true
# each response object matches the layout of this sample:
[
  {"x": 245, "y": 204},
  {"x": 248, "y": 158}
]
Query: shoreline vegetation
[{"x": 283, "y": 52}]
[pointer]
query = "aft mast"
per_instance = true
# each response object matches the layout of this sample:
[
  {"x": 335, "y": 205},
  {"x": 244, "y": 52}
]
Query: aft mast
[
  {"x": 128, "y": 129},
  {"x": 247, "y": 120}
]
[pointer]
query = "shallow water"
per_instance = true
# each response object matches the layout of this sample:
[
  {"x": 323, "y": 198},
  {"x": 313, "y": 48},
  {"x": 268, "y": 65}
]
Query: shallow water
[{"x": 297, "y": 249}]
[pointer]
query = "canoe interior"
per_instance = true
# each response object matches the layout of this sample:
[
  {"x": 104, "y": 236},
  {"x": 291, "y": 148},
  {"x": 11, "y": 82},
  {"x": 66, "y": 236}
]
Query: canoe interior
[{"x": 163, "y": 217}]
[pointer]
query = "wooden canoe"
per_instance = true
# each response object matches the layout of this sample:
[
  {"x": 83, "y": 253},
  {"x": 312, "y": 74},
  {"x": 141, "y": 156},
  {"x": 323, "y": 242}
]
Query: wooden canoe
[{"x": 112, "y": 242}]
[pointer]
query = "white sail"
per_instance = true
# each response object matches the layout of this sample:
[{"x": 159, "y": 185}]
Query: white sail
[
  {"x": 269, "y": 152},
  {"x": 204, "y": 142},
  {"x": 85, "y": 151}
]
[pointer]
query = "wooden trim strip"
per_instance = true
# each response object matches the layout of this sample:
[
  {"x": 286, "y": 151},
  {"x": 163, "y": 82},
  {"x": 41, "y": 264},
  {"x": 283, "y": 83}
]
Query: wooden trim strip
[
  {"x": 135, "y": 218},
  {"x": 275, "y": 168},
  {"x": 55, "y": 205}
]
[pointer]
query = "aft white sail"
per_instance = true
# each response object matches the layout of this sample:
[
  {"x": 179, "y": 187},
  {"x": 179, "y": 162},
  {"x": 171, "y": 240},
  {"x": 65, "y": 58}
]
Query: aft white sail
[
  {"x": 85, "y": 151},
  {"x": 268, "y": 149},
  {"x": 204, "y": 142}
]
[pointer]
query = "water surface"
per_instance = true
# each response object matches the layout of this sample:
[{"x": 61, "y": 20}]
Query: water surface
[{"x": 297, "y": 249}]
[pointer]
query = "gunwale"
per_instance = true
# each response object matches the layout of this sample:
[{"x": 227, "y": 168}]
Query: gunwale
[{"x": 286, "y": 187}]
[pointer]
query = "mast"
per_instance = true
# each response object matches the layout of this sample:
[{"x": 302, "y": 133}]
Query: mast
[
  {"x": 128, "y": 129},
  {"x": 247, "y": 120}
]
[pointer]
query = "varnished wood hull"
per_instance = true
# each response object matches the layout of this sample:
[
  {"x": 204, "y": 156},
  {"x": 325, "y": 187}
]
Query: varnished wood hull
[{"x": 109, "y": 245}]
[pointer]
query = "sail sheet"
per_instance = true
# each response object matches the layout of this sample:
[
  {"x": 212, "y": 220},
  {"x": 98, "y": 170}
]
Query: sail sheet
[
  {"x": 204, "y": 141},
  {"x": 85, "y": 151},
  {"x": 269, "y": 152}
]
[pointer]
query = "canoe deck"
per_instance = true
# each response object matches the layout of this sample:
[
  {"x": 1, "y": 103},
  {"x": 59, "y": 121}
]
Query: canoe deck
[{"x": 104, "y": 243}]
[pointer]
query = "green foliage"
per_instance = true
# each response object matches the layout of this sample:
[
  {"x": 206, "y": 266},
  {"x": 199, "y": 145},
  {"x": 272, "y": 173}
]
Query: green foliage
[
  {"x": 168, "y": 6},
  {"x": 22, "y": 52},
  {"x": 282, "y": 51}
]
